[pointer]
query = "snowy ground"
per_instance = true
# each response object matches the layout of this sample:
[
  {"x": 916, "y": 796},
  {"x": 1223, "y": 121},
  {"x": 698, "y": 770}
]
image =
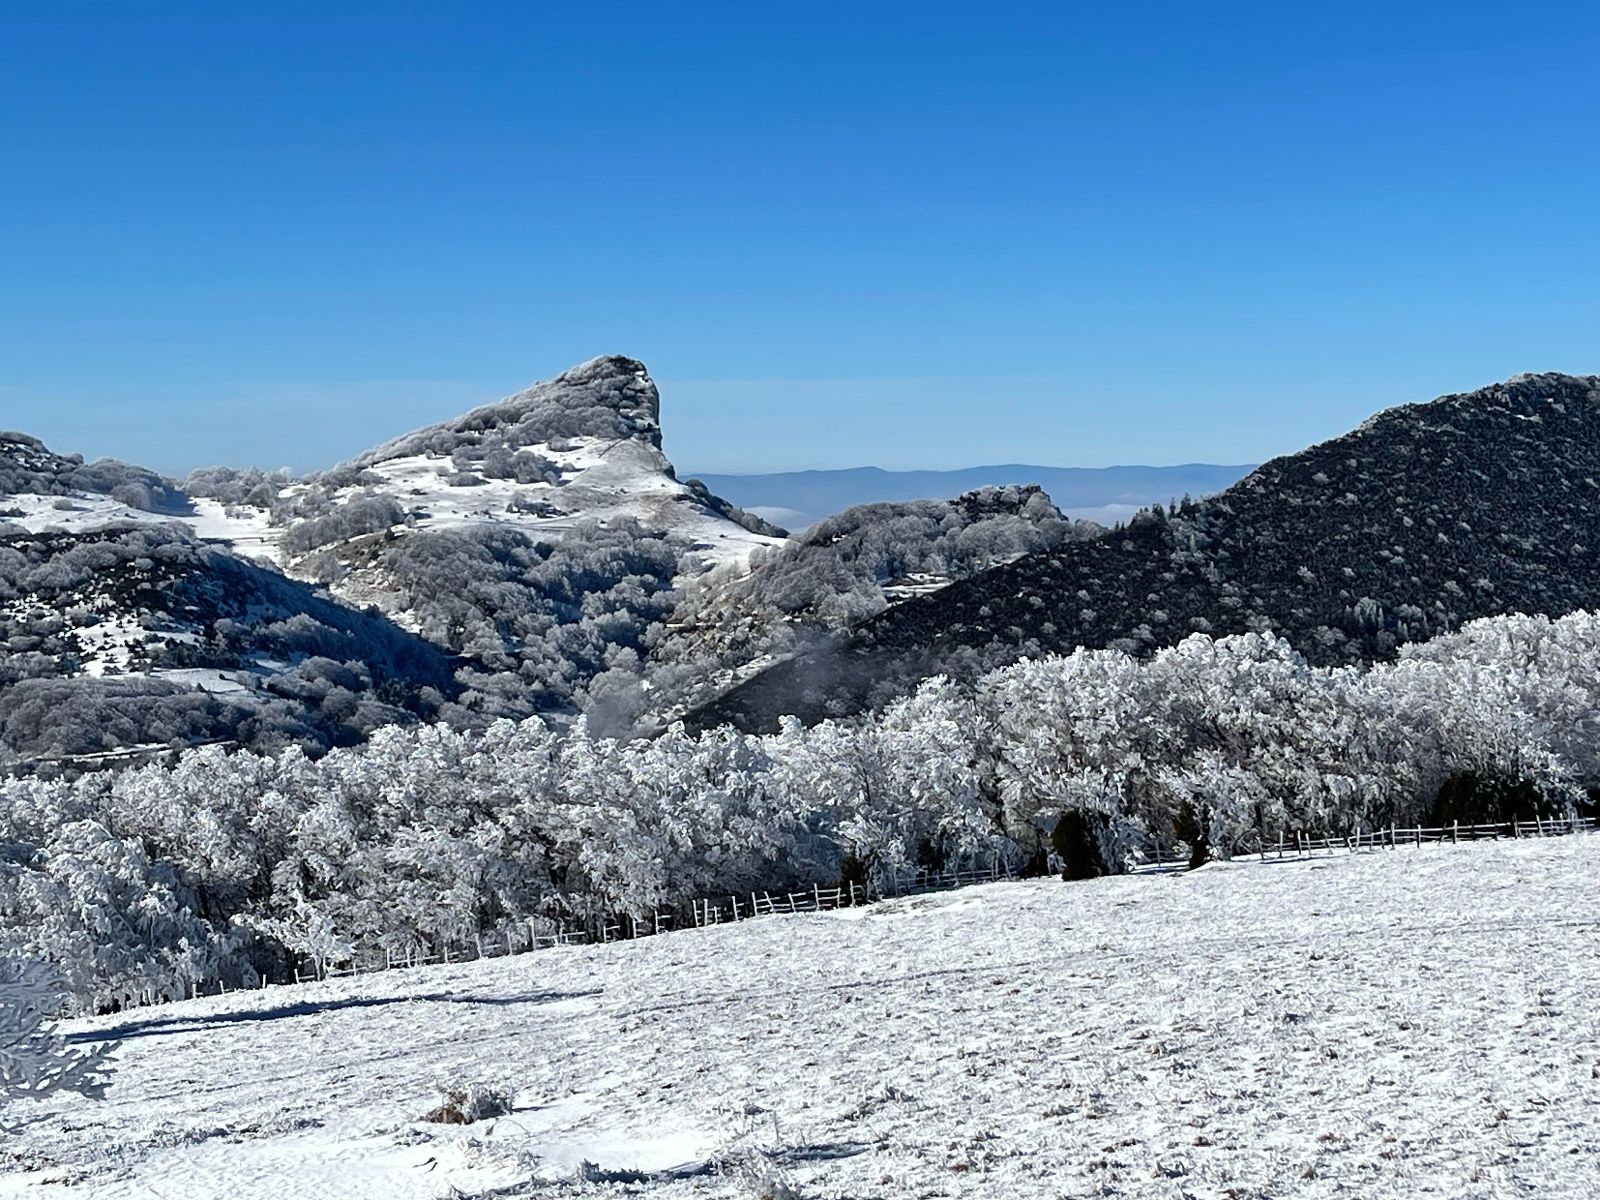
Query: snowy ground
[{"x": 1393, "y": 1024}]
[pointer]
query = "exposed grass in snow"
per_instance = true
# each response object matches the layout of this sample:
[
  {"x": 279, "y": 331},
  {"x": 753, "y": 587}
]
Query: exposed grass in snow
[{"x": 1392, "y": 1024}]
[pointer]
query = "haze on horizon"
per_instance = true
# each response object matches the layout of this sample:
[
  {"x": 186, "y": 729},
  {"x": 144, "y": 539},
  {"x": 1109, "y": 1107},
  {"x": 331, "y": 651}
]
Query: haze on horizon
[{"x": 837, "y": 238}]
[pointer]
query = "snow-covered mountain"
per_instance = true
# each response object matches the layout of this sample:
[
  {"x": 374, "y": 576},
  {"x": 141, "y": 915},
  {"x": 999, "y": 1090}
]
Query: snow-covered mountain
[
  {"x": 584, "y": 447},
  {"x": 495, "y": 564},
  {"x": 540, "y": 555}
]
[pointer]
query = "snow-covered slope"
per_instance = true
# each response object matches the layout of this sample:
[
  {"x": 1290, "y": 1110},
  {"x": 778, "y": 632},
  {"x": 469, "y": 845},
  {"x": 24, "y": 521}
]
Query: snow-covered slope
[
  {"x": 133, "y": 634},
  {"x": 1385, "y": 1025},
  {"x": 583, "y": 447}
]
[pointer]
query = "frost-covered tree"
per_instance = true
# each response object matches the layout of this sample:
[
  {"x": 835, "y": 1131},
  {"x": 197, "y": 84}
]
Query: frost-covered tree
[{"x": 34, "y": 1060}]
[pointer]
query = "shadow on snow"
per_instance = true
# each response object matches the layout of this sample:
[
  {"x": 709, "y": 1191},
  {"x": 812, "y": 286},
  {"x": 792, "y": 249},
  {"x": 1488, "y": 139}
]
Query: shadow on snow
[{"x": 309, "y": 1008}]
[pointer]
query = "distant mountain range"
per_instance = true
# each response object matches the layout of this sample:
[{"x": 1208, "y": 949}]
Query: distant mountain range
[{"x": 797, "y": 499}]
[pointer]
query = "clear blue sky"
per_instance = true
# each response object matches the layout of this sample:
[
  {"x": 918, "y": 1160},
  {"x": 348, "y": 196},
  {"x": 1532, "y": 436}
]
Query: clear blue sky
[{"x": 913, "y": 235}]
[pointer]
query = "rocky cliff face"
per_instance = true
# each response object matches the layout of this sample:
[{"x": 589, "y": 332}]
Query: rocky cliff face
[{"x": 607, "y": 399}]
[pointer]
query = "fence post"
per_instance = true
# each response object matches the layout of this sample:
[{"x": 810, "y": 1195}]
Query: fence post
[{"x": 1455, "y": 832}]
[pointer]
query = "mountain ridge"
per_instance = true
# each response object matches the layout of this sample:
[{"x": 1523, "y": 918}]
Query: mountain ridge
[{"x": 1424, "y": 516}]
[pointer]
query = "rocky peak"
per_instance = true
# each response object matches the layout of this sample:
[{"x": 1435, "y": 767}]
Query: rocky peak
[
  {"x": 999, "y": 500},
  {"x": 611, "y": 398}
]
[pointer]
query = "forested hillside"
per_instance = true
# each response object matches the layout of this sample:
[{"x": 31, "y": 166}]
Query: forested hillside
[
  {"x": 838, "y": 574},
  {"x": 137, "y": 635},
  {"x": 1423, "y": 518}
]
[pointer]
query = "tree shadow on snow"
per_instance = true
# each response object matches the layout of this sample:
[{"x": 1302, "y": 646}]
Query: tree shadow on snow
[{"x": 199, "y": 1023}]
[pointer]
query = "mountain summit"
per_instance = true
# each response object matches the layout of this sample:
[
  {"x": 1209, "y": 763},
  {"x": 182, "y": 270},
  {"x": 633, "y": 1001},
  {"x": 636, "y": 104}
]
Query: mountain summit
[{"x": 610, "y": 397}]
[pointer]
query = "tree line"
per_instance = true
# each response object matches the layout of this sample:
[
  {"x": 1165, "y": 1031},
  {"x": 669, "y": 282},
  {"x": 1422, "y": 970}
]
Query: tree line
[{"x": 226, "y": 865}]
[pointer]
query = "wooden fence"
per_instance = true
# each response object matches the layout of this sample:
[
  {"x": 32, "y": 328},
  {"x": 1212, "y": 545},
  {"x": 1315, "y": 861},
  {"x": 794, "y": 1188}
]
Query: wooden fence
[
  {"x": 1391, "y": 837},
  {"x": 537, "y": 935}
]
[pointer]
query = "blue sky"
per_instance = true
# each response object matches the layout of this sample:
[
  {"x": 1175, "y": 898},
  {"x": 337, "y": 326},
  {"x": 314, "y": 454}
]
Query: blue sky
[{"x": 921, "y": 235}]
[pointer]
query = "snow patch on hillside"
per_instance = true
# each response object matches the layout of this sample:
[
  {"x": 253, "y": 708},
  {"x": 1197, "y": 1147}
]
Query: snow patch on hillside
[
  {"x": 76, "y": 512},
  {"x": 244, "y": 530},
  {"x": 599, "y": 481}
]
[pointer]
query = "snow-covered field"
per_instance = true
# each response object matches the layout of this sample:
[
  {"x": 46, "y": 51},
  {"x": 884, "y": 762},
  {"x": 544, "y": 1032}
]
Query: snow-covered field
[{"x": 1392, "y": 1024}]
